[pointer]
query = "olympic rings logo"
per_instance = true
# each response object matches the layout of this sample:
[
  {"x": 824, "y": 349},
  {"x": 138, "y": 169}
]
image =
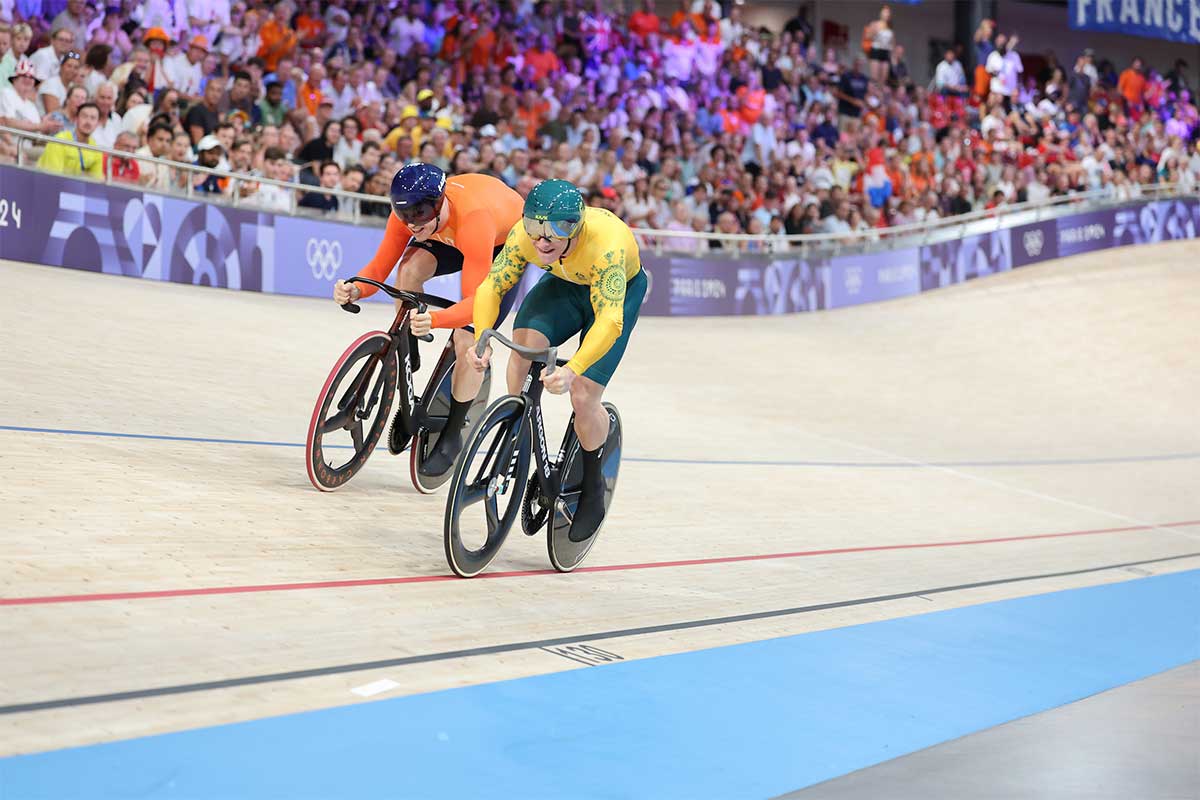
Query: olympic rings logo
[{"x": 324, "y": 258}]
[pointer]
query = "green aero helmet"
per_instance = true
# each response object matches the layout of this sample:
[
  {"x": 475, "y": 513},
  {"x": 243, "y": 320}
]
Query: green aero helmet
[{"x": 553, "y": 210}]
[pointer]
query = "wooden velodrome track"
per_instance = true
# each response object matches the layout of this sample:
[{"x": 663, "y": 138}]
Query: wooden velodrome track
[{"x": 880, "y": 461}]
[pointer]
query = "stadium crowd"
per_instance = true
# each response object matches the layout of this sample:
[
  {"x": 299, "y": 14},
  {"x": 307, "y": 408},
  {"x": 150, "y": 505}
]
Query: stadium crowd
[{"x": 685, "y": 120}]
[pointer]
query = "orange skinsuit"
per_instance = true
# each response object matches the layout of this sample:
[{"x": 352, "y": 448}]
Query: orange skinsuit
[{"x": 482, "y": 212}]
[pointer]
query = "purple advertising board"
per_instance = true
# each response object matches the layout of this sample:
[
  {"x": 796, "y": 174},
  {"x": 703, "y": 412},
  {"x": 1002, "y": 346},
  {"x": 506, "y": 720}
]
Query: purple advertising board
[{"x": 61, "y": 222}]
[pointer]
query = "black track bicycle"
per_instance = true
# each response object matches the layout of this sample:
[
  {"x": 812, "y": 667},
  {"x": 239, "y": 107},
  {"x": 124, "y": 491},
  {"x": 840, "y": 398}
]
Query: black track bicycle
[
  {"x": 354, "y": 404},
  {"x": 490, "y": 486}
]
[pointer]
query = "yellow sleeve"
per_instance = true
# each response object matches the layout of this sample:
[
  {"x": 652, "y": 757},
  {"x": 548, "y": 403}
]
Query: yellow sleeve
[
  {"x": 506, "y": 272},
  {"x": 608, "y": 302}
]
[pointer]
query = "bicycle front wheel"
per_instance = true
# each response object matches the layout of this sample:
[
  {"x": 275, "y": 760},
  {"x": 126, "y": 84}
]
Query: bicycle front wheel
[
  {"x": 485, "y": 493},
  {"x": 351, "y": 411}
]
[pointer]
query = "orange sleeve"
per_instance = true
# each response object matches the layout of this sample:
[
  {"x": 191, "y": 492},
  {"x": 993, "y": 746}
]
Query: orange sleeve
[
  {"x": 395, "y": 239},
  {"x": 476, "y": 240}
]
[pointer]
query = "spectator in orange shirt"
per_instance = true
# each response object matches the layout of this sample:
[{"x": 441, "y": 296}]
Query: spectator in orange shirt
[
  {"x": 310, "y": 26},
  {"x": 532, "y": 113},
  {"x": 644, "y": 22},
  {"x": 278, "y": 38},
  {"x": 684, "y": 13},
  {"x": 541, "y": 60},
  {"x": 1132, "y": 84},
  {"x": 309, "y": 93},
  {"x": 753, "y": 98}
]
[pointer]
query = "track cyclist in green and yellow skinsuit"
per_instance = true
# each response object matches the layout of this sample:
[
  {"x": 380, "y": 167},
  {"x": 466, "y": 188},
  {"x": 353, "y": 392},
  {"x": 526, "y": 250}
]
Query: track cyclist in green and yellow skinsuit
[{"x": 594, "y": 285}]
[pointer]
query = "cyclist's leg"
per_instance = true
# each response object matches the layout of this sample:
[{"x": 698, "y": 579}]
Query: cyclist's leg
[
  {"x": 417, "y": 265},
  {"x": 591, "y": 419},
  {"x": 549, "y": 315},
  {"x": 465, "y": 382}
]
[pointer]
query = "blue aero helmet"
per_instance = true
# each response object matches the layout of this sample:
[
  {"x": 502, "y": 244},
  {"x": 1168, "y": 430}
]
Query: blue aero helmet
[{"x": 417, "y": 193}]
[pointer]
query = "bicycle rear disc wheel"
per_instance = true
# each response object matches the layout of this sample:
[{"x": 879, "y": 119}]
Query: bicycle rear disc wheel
[
  {"x": 488, "y": 484},
  {"x": 351, "y": 411},
  {"x": 437, "y": 409},
  {"x": 566, "y": 555}
]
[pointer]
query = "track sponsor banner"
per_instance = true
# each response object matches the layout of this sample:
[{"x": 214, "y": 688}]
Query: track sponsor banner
[
  {"x": 82, "y": 225},
  {"x": 722, "y": 286},
  {"x": 869, "y": 277},
  {"x": 1037, "y": 241},
  {"x": 61, "y": 222},
  {"x": 1177, "y": 20}
]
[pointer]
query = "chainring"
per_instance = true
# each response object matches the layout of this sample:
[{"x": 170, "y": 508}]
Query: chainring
[{"x": 532, "y": 520}]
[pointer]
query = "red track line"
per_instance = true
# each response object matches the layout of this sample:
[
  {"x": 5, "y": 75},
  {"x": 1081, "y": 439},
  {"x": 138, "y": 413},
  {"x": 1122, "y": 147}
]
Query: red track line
[{"x": 285, "y": 587}]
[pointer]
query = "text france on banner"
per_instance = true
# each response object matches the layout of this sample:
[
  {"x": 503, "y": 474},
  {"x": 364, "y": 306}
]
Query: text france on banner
[{"x": 1177, "y": 20}]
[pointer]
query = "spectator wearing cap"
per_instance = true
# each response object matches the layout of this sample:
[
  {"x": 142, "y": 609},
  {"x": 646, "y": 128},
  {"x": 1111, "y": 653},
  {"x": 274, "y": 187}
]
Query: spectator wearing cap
[
  {"x": 64, "y": 159},
  {"x": 156, "y": 75},
  {"x": 47, "y": 60},
  {"x": 18, "y": 106},
  {"x": 74, "y": 18},
  {"x": 14, "y": 41},
  {"x": 53, "y": 91},
  {"x": 208, "y": 154},
  {"x": 185, "y": 71},
  {"x": 203, "y": 117}
]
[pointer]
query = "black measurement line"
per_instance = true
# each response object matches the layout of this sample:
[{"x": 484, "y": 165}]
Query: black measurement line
[{"x": 510, "y": 647}]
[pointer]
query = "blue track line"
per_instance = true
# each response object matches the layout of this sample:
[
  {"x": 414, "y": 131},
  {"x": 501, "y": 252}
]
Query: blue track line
[{"x": 1048, "y": 462}]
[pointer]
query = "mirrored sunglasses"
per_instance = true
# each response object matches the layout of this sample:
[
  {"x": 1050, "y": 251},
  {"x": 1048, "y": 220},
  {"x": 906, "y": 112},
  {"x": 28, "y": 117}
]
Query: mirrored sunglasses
[{"x": 545, "y": 229}]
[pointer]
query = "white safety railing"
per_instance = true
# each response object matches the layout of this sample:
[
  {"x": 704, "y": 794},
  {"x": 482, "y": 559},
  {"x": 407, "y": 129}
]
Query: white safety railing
[
  {"x": 350, "y": 203},
  {"x": 915, "y": 234},
  {"x": 659, "y": 240}
]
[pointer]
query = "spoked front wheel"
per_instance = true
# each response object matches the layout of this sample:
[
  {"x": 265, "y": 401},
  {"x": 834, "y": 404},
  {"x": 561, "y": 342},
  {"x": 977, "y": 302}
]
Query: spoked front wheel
[
  {"x": 351, "y": 411},
  {"x": 566, "y": 555},
  {"x": 485, "y": 493}
]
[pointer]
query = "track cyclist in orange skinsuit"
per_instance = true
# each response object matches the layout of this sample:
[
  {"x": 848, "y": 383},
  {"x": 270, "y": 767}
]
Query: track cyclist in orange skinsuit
[{"x": 441, "y": 225}]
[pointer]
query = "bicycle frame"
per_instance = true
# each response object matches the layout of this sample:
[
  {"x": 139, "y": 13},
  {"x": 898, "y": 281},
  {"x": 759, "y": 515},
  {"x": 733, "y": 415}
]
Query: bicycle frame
[
  {"x": 411, "y": 415},
  {"x": 549, "y": 474}
]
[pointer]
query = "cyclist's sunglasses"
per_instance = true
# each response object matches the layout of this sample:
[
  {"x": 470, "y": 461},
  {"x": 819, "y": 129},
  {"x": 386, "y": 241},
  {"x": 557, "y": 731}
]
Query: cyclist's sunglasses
[
  {"x": 419, "y": 214},
  {"x": 545, "y": 229}
]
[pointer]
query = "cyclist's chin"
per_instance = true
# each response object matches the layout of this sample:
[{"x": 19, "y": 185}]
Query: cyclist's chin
[{"x": 546, "y": 255}]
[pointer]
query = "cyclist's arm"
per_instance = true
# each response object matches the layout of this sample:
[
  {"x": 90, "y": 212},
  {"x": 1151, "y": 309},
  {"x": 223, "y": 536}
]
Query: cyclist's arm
[
  {"x": 476, "y": 240},
  {"x": 395, "y": 239},
  {"x": 608, "y": 301},
  {"x": 506, "y": 273}
]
